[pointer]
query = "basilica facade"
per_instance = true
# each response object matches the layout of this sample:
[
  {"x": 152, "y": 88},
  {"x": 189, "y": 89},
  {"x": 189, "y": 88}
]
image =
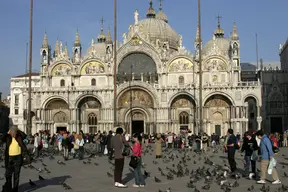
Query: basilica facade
[{"x": 157, "y": 83}]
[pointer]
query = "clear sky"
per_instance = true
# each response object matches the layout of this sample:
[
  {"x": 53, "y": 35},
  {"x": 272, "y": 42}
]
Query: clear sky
[{"x": 61, "y": 18}]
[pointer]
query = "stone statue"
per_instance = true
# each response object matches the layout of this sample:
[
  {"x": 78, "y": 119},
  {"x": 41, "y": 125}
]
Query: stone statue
[
  {"x": 280, "y": 47},
  {"x": 136, "y": 17},
  {"x": 77, "y": 56},
  {"x": 235, "y": 49},
  {"x": 61, "y": 48},
  {"x": 181, "y": 41},
  {"x": 92, "y": 42},
  {"x": 124, "y": 37}
]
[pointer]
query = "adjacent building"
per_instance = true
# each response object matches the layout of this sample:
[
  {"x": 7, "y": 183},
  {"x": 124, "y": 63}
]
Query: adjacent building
[{"x": 157, "y": 83}]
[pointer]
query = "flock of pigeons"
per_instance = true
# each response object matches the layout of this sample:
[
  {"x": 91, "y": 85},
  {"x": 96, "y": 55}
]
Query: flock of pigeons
[{"x": 201, "y": 171}]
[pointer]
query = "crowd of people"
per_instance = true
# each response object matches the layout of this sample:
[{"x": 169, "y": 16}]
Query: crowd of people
[{"x": 256, "y": 146}]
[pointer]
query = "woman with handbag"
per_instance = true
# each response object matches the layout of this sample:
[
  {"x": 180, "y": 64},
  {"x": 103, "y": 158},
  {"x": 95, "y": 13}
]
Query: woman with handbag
[
  {"x": 16, "y": 155},
  {"x": 136, "y": 161}
]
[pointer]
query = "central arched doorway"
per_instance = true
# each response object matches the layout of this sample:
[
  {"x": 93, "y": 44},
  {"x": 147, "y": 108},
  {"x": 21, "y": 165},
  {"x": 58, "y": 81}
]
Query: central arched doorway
[
  {"x": 135, "y": 108},
  {"x": 183, "y": 113},
  {"x": 57, "y": 114},
  {"x": 217, "y": 114},
  {"x": 89, "y": 113}
]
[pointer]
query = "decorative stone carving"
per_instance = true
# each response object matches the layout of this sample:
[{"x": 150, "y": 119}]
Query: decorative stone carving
[
  {"x": 235, "y": 49},
  {"x": 164, "y": 97},
  {"x": 138, "y": 97},
  {"x": 60, "y": 117},
  {"x": 182, "y": 103},
  {"x": 238, "y": 95},
  {"x": 92, "y": 68},
  {"x": 57, "y": 104},
  {"x": 61, "y": 69},
  {"x": 217, "y": 102},
  {"x": 180, "y": 65},
  {"x": 215, "y": 65},
  {"x": 138, "y": 116},
  {"x": 124, "y": 36}
]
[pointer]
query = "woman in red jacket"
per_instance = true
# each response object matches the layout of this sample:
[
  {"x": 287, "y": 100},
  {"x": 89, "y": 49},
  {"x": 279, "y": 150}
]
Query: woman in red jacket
[{"x": 137, "y": 153}]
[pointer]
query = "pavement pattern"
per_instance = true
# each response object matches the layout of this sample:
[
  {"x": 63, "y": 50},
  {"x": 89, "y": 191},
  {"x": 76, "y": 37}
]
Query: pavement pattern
[{"x": 90, "y": 174}]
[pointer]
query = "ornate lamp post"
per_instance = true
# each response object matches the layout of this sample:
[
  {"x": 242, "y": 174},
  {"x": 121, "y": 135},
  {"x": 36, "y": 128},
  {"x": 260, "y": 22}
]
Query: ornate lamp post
[{"x": 115, "y": 64}]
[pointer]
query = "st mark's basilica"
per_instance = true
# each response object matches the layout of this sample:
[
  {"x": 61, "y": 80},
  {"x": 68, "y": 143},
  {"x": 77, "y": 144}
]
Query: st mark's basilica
[{"x": 74, "y": 91}]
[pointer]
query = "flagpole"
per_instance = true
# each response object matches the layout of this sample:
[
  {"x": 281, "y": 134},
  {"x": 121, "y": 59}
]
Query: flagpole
[
  {"x": 200, "y": 70},
  {"x": 115, "y": 64},
  {"x": 29, "y": 117}
]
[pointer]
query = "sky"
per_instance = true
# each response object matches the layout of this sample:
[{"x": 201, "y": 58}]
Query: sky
[{"x": 61, "y": 18}]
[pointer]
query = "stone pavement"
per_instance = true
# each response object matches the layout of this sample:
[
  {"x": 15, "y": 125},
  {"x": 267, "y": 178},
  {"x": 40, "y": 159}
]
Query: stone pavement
[{"x": 93, "y": 178}]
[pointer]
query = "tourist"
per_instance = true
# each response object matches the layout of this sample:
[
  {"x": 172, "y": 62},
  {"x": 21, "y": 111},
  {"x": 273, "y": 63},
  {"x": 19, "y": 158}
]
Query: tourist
[
  {"x": 36, "y": 145},
  {"x": 65, "y": 145},
  {"x": 198, "y": 143},
  {"x": 158, "y": 146},
  {"x": 231, "y": 149},
  {"x": 109, "y": 147},
  {"x": 118, "y": 143},
  {"x": 205, "y": 140},
  {"x": 80, "y": 143},
  {"x": 266, "y": 155},
  {"x": 137, "y": 154},
  {"x": 59, "y": 142},
  {"x": 285, "y": 136},
  {"x": 250, "y": 148},
  {"x": 170, "y": 140},
  {"x": 14, "y": 152}
]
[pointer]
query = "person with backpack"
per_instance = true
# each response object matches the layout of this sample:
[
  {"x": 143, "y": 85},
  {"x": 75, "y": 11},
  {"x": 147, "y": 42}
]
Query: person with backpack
[{"x": 232, "y": 146}]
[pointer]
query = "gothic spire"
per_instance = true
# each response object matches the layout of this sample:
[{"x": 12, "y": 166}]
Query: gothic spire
[
  {"x": 151, "y": 13},
  {"x": 45, "y": 41},
  {"x": 57, "y": 48},
  {"x": 234, "y": 34},
  {"x": 109, "y": 37},
  {"x": 77, "y": 42}
]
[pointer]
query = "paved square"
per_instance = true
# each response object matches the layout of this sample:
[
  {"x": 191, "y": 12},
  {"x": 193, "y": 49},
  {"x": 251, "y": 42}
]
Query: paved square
[{"x": 93, "y": 177}]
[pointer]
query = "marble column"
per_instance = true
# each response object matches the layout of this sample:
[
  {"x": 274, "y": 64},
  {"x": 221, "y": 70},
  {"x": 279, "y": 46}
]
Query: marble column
[
  {"x": 237, "y": 127},
  {"x": 208, "y": 125}
]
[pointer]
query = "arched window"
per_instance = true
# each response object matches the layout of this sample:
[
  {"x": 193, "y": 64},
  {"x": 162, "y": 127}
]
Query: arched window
[
  {"x": 92, "y": 122},
  {"x": 92, "y": 119},
  {"x": 93, "y": 82},
  {"x": 62, "y": 83},
  {"x": 181, "y": 80},
  {"x": 183, "y": 118}
]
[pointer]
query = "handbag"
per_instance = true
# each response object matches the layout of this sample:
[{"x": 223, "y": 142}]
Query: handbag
[
  {"x": 254, "y": 156},
  {"x": 134, "y": 162}
]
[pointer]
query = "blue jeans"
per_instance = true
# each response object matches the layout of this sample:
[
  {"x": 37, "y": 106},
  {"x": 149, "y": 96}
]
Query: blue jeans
[
  {"x": 139, "y": 179},
  {"x": 247, "y": 164}
]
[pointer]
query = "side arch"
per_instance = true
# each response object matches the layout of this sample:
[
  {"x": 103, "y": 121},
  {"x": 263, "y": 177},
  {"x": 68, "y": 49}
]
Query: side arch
[
  {"x": 251, "y": 96},
  {"x": 184, "y": 93},
  {"x": 218, "y": 93},
  {"x": 50, "y": 99},
  {"x": 79, "y": 99}
]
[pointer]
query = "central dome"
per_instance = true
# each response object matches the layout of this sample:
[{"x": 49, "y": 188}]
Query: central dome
[{"x": 154, "y": 29}]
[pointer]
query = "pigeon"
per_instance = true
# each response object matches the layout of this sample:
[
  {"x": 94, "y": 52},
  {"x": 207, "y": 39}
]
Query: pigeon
[
  {"x": 146, "y": 174},
  {"x": 40, "y": 177},
  {"x": 157, "y": 180},
  {"x": 109, "y": 174},
  {"x": 31, "y": 183}
]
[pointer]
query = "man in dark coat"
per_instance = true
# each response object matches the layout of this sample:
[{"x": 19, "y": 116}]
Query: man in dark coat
[
  {"x": 15, "y": 148},
  {"x": 109, "y": 146}
]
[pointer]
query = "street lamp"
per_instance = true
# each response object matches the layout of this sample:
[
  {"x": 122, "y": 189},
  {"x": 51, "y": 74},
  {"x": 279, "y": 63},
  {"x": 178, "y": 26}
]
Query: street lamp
[{"x": 115, "y": 63}]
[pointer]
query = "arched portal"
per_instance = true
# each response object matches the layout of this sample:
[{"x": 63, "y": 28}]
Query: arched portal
[
  {"x": 252, "y": 113},
  {"x": 276, "y": 110},
  {"x": 183, "y": 113},
  {"x": 89, "y": 114},
  {"x": 137, "y": 66},
  {"x": 136, "y": 109},
  {"x": 57, "y": 111},
  {"x": 216, "y": 113}
]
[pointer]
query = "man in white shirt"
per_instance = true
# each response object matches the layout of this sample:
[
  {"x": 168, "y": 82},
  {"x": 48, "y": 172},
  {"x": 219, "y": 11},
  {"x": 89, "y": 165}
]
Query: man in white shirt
[
  {"x": 36, "y": 145},
  {"x": 170, "y": 140}
]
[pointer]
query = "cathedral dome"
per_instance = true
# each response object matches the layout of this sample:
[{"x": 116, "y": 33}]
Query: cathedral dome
[
  {"x": 155, "y": 29},
  {"x": 222, "y": 45},
  {"x": 97, "y": 48}
]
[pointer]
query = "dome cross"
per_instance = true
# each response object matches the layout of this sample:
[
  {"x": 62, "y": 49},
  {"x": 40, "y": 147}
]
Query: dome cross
[{"x": 219, "y": 20}]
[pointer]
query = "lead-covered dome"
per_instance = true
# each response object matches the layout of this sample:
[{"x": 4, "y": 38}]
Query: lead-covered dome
[
  {"x": 154, "y": 29},
  {"x": 221, "y": 44}
]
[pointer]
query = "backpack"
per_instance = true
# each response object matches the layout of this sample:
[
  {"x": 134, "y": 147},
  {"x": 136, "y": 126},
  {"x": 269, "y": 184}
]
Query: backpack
[{"x": 237, "y": 146}]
